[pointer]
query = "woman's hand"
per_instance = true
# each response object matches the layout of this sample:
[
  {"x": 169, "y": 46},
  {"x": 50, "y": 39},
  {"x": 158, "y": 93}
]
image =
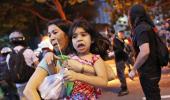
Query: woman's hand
[
  {"x": 51, "y": 60},
  {"x": 50, "y": 57},
  {"x": 73, "y": 65},
  {"x": 70, "y": 75}
]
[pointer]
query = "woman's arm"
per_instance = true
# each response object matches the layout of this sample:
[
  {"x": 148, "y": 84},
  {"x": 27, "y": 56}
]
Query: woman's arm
[
  {"x": 100, "y": 80},
  {"x": 34, "y": 82}
]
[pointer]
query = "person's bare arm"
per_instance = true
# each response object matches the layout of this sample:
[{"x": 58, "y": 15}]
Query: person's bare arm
[
  {"x": 142, "y": 56},
  {"x": 79, "y": 67},
  {"x": 100, "y": 80},
  {"x": 34, "y": 82}
]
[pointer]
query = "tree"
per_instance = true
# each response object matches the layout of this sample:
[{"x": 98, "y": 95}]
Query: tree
[
  {"x": 120, "y": 7},
  {"x": 31, "y": 16}
]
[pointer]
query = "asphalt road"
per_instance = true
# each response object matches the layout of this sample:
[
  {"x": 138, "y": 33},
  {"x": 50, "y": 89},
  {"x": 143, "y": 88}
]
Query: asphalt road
[{"x": 135, "y": 91}]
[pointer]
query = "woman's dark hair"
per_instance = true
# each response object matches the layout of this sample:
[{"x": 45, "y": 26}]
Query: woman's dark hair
[
  {"x": 64, "y": 25},
  {"x": 138, "y": 14},
  {"x": 100, "y": 44}
]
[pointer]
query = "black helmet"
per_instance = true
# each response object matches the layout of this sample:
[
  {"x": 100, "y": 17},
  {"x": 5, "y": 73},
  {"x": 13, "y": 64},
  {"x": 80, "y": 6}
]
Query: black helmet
[{"x": 16, "y": 36}]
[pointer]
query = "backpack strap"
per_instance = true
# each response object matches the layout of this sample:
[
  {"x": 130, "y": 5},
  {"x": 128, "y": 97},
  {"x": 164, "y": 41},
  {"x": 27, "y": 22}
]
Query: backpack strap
[
  {"x": 22, "y": 50},
  {"x": 8, "y": 56},
  {"x": 7, "y": 61}
]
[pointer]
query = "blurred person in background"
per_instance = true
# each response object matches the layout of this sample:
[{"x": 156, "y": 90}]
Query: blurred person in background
[
  {"x": 130, "y": 51},
  {"x": 45, "y": 47},
  {"x": 120, "y": 59},
  {"x": 167, "y": 27},
  {"x": 18, "y": 41},
  {"x": 9, "y": 91},
  {"x": 162, "y": 32},
  {"x": 107, "y": 32}
]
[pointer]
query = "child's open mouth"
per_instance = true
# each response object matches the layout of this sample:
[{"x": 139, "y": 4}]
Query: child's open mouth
[{"x": 80, "y": 46}]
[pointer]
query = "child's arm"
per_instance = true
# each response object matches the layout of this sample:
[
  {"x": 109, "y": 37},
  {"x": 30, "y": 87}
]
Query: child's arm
[
  {"x": 79, "y": 67},
  {"x": 100, "y": 80}
]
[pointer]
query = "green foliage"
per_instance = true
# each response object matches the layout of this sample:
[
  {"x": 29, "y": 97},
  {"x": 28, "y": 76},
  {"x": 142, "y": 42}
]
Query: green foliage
[
  {"x": 80, "y": 9},
  {"x": 24, "y": 15},
  {"x": 31, "y": 17},
  {"x": 121, "y": 7}
]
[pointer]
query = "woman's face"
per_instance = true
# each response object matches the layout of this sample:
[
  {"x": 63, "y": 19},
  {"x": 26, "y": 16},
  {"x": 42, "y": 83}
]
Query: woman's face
[{"x": 57, "y": 36}]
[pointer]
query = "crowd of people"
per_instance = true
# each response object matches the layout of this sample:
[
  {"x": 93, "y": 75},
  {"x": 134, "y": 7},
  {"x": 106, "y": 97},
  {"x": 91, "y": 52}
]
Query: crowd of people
[{"x": 86, "y": 49}]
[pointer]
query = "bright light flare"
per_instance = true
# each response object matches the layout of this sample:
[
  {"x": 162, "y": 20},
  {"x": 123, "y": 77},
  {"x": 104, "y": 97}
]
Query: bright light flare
[
  {"x": 45, "y": 43},
  {"x": 127, "y": 41}
]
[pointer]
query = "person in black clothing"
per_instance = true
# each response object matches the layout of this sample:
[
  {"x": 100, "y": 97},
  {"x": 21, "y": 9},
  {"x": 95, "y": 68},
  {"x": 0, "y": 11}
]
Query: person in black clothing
[
  {"x": 143, "y": 33},
  {"x": 130, "y": 51},
  {"x": 120, "y": 60},
  {"x": 8, "y": 88}
]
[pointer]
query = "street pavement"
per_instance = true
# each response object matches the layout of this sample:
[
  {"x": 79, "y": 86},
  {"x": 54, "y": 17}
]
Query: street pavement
[{"x": 135, "y": 90}]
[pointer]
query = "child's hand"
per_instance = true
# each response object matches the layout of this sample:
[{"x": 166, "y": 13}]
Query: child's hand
[
  {"x": 73, "y": 65},
  {"x": 70, "y": 75}
]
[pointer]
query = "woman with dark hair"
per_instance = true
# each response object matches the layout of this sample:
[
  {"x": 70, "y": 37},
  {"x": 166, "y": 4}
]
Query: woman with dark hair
[
  {"x": 143, "y": 33},
  {"x": 58, "y": 34}
]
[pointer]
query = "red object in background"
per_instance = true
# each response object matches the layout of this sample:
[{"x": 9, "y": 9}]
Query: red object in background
[
  {"x": 155, "y": 29},
  {"x": 128, "y": 41}
]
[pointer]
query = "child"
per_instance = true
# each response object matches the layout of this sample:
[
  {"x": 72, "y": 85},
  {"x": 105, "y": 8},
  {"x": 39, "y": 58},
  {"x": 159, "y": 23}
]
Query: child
[{"x": 86, "y": 46}]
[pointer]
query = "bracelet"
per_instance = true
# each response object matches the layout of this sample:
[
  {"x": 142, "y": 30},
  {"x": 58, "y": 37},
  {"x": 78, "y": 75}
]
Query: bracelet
[{"x": 82, "y": 69}]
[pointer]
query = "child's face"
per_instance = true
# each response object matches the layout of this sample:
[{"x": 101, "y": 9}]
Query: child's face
[{"x": 81, "y": 40}]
